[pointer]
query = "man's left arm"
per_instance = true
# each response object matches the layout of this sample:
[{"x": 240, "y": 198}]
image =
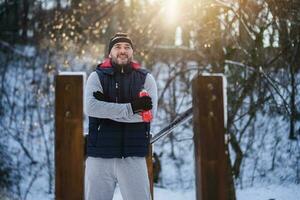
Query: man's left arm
[{"x": 151, "y": 87}]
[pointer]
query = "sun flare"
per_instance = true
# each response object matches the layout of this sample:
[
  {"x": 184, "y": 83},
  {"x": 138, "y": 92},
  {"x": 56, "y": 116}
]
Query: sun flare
[{"x": 171, "y": 11}]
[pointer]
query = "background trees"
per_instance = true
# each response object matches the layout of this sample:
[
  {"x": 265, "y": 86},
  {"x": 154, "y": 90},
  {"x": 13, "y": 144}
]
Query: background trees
[{"x": 254, "y": 43}]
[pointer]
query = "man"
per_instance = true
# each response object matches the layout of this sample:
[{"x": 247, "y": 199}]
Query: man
[{"x": 118, "y": 137}]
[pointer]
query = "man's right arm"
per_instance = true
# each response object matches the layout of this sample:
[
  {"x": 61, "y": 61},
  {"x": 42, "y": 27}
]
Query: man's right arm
[{"x": 102, "y": 109}]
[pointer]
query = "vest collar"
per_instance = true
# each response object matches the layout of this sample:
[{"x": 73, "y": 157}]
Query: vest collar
[{"x": 106, "y": 63}]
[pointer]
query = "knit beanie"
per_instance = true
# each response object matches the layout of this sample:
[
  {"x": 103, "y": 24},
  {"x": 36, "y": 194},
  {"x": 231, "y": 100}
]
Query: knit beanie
[{"x": 119, "y": 37}]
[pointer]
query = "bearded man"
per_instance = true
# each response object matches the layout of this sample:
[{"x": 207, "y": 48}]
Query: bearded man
[{"x": 118, "y": 138}]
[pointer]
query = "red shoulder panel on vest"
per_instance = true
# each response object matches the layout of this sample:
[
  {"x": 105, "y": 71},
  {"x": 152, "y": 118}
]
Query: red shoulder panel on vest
[{"x": 106, "y": 63}]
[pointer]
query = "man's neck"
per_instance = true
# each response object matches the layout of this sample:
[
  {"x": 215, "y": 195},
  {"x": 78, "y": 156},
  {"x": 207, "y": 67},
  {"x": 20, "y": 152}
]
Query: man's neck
[{"x": 122, "y": 68}]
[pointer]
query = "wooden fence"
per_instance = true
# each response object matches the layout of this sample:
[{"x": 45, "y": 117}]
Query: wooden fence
[{"x": 69, "y": 143}]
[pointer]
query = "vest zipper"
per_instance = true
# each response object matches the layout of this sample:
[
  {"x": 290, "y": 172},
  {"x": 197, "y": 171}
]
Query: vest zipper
[
  {"x": 117, "y": 100},
  {"x": 121, "y": 93},
  {"x": 117, "y": 91}
]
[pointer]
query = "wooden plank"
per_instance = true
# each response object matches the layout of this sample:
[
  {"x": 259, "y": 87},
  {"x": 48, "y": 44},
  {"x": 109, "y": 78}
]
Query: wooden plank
[
  {"x": 209, "y": 132},
  {"x": 69, "y": 159},
  {"x": 149, "y": 160}
]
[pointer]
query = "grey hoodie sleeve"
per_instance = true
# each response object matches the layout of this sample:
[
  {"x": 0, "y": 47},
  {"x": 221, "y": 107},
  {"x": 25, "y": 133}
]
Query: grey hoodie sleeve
[{"x": 115, "y": 111}]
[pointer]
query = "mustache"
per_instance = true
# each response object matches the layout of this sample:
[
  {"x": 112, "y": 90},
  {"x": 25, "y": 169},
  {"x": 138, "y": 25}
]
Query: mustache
[{"x": 122, "y": 55}]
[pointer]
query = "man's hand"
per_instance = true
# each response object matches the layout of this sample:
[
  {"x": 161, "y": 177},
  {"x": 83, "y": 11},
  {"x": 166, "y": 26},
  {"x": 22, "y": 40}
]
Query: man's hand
[
  {"x": 99, "y": 96},
  {"x": 141, "y": 104}
]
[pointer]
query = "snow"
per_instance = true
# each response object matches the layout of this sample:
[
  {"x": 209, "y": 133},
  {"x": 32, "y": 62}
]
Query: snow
[
  {"x": 25, "y": 51},
  {"x": 275, "y": 192},
  {"x": 67, "y": 73},
  {"x": 163, "y": 194}
]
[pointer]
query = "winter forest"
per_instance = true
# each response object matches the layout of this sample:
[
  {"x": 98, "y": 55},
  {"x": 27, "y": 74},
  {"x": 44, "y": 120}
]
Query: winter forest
[{"x": 254, "y": 43}]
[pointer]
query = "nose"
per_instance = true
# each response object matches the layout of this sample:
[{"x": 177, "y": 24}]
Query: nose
[{"x": 122, "y": 50}]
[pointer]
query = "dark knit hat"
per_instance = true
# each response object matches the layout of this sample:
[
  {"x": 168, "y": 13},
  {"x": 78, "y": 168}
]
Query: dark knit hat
[{"x": 119, "y": 37}]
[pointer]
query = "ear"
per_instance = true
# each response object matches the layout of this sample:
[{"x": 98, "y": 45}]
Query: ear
[{"x": 109, "y": 56}]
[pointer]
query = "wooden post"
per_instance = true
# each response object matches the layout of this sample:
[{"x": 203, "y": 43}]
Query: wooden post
[
  {"x": 209, "y": 132},
  {"x": 150, "y": 169},
  {"x": 69, "y": 144}
]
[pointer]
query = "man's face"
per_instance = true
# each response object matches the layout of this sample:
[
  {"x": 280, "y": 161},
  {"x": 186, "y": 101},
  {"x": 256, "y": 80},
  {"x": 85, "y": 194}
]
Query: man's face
[{"x": 121, "y": 53}]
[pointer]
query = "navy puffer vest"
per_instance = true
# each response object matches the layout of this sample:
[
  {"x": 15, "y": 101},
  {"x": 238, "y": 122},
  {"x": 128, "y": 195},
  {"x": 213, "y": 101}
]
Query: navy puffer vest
[{"x": 112, "y": 139}]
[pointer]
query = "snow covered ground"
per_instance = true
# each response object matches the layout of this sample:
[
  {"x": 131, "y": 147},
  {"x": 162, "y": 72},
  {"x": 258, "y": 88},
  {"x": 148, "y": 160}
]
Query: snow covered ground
[{"x": 271, "y": 192}]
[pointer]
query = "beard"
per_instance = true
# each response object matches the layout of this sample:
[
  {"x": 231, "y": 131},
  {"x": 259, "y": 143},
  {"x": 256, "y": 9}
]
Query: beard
[
  {"x": 121, "y": 63},
  {"x": 121, "y": 60}
]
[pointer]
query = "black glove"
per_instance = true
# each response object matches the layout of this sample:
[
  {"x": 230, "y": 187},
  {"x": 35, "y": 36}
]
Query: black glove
[
  {"x": 141, "y": 104},
  {"x": 99, "y": 96}
]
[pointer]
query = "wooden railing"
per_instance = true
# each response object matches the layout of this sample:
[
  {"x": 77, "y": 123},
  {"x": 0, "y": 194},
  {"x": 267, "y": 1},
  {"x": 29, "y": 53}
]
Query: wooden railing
[{"x": 69, "y": 143}]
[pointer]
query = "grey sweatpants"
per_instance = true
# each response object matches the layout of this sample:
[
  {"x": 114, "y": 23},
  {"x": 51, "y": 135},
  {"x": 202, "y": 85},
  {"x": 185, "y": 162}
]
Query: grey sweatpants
[{"x": 102, "y": 174}]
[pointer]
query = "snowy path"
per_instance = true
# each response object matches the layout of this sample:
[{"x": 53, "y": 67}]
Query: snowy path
[{"x": 290, "y": 192}]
